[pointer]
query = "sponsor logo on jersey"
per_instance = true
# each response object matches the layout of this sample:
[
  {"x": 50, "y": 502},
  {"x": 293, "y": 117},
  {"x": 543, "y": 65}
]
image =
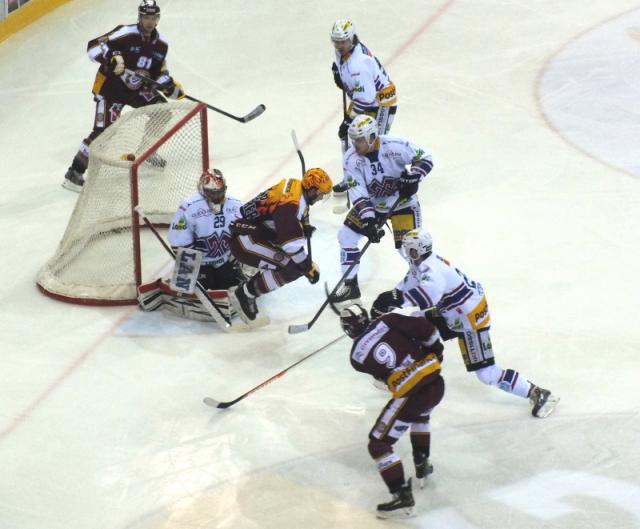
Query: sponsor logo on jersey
[
  {"x": 201, "y": 212},
  {"x": 135, "y": 49},
  {"x": 180, "y": 225}
]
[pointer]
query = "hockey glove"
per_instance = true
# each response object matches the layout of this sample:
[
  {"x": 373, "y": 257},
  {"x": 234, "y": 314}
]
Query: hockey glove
[
  {"x": 386, "y": 302},
  {"x": 313, "y": 273},
  {"x": 344, "y": 128},
  {"x": 308, "y": 230},
  {"x": 173, "y": 89},
  {"x": 336, "y": 76},
  {"x": 372, "y": 231},
  {"x": 435, "y": 348},
  {"x": 117, "y": 64},
  {"x": 408, "y": 185}
]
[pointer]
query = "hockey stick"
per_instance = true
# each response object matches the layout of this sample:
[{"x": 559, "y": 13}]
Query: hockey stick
[
  {"x": 222, "y": 405},
  {"x": 201, "y": 292},
  {"x": 294, "y": 137},
  {"x": 242, "y": 119},
  {"x": 339, "y": 210},
  {"x": 295, "y": 329}
]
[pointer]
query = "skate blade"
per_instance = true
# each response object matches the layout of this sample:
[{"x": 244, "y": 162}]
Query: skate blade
[
  {"x": 546, "y": 409},
  {"x": 405, "y": 512},
  {"x": 421, "y": 482},
  {"x": 67, "y": 184}
]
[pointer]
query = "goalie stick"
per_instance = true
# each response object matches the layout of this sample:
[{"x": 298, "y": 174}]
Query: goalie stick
[
  {"x": 226, "y": 404},
  {"x": 200, "y": 292},
  {"x": 242, "y": 119},
  {"x": 303, "y": 327}
]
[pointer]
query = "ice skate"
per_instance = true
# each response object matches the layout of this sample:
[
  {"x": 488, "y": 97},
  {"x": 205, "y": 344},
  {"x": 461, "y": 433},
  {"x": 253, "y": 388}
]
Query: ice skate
[
  {"x": 244, "y": 303},
  {"x": 422, "y": 466},
  {"x": 543, "y": 402},
  {"x": 401, "y": 506},
  {"x": 73, "y": 180},
  {"x": 347, "y": 294}
]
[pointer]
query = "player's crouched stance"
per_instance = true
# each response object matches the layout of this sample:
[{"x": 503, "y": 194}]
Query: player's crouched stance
[
  {"x": 457, "y": 305},
  {"x": 405, "y": 352},
  {"x": 199, "y": 234},
  {"x": 271, "y": 235}
]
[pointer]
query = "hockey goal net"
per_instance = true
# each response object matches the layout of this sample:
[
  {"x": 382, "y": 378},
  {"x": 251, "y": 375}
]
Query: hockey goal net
[{"x": 104, "y": 255}]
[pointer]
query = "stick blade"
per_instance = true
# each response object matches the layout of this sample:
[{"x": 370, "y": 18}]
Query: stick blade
[
  {"x": 213, "y": 403},
  {"x": 296, "y": 329},
  {"x": 254, "y": 113}
]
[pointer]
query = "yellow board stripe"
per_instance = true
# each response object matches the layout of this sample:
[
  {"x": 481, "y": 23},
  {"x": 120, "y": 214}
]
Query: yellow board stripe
[{"x": 25, "y": 15}]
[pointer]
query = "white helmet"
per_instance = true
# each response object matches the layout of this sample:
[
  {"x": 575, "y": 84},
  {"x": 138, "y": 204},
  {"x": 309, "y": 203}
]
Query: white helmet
[
  {"x": 363, "y": 126},
  {"x": 342, "y": 29},
  {"x": 417, "y": 244}
]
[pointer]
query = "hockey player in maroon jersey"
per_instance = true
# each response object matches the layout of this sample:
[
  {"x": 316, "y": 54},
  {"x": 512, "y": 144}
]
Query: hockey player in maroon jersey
[
  {"x": 125, "y": 49},
  {"x": 271, "y": 237},
  {"x": 404, "y": 352}
]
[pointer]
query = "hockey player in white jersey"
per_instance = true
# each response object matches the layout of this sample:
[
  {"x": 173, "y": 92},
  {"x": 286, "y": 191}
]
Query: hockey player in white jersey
[
  {"x": 461, "y": 310},
  {"x": 379, "y": 170},
  {"x": 201, "y": 225},
  {"x": 362, "y": 77}
]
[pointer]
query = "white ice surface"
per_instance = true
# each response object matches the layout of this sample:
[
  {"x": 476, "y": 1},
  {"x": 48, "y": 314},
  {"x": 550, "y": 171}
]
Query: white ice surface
[{"x": 531, "y": 112}]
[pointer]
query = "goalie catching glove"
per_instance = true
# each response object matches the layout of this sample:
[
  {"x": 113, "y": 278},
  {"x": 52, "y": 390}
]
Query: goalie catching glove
[{"x": 172, "y": 89}]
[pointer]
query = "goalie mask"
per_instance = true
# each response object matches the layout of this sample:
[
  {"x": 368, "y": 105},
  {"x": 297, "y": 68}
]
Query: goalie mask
[
  {"x": 316, "y": 184},
  {"x": 354, "y": 320},
  {"x": 212, "y": 187},
  {"x": 417, "y": 245}
]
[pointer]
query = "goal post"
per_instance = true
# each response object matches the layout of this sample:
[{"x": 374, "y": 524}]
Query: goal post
[{"x": 103, "y": 255}]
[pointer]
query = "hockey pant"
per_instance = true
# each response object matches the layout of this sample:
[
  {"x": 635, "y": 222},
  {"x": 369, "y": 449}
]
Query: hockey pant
[
  {"x": 399, "y": 415},
  {"x": 276, "y": 268}
]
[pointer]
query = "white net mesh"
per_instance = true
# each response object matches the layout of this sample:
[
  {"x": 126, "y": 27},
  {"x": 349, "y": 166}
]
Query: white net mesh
[{"x": 95, "y": 262}]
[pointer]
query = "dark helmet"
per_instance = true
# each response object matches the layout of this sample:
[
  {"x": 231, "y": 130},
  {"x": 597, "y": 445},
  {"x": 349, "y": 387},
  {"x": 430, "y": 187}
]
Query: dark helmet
[
  {"x": 148, "y": 7},
  {"x": 354, "y": 320}
]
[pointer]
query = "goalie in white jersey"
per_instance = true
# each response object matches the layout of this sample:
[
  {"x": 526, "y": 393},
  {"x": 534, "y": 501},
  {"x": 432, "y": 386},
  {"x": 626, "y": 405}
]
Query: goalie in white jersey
[
  {"x": 461, "y": 311},
  {"x": 361, "y": 76},
  {"x": 380, "y": 170},
  {"x": 201, "y": 226}
]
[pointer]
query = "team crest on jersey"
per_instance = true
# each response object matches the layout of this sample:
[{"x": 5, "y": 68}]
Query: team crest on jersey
[
  {"x": 217, "y": 245},
  {"x": 385, "y": 188}
]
